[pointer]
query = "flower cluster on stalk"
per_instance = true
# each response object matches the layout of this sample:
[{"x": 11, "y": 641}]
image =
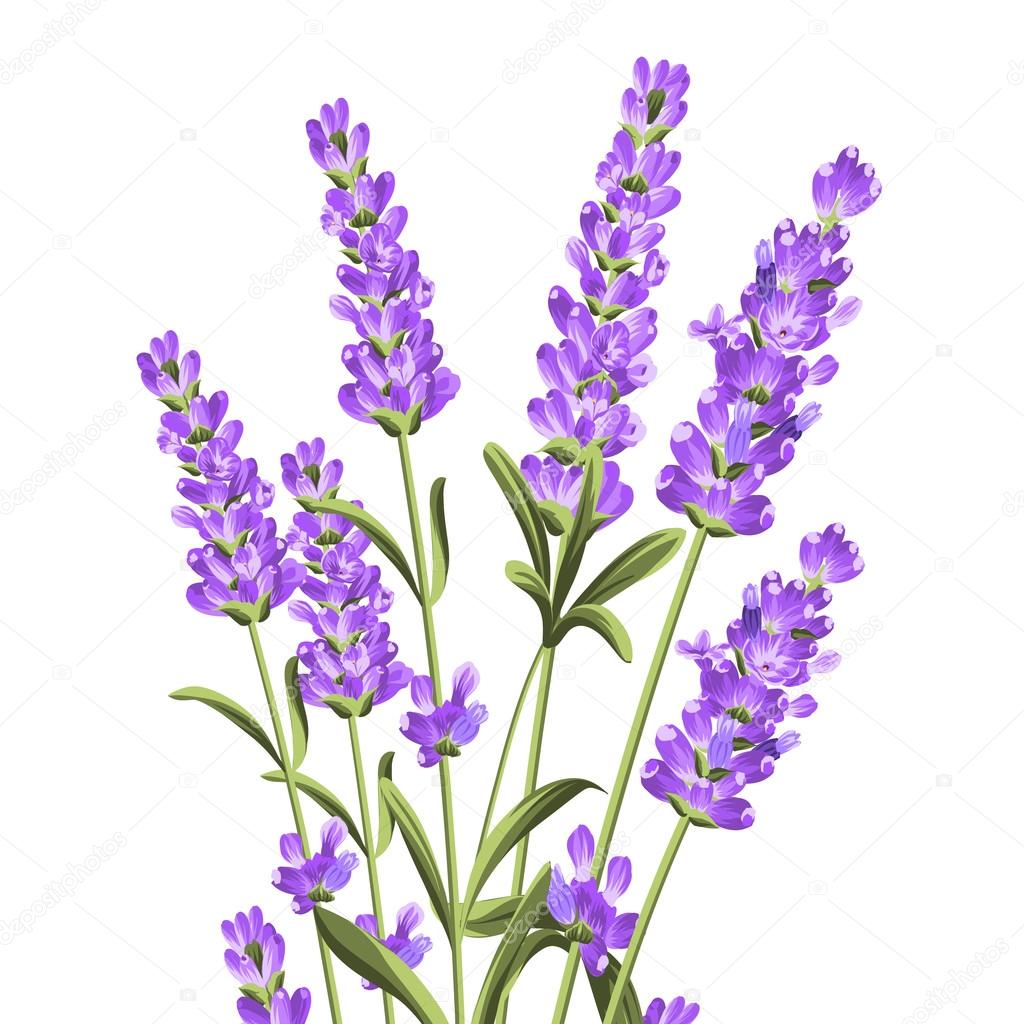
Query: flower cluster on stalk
[
  {"x": 442, "y": 730},
  {"x": 315, "y": 879},
  {"x": 397, "y": 377},
  {"x": 242, "y": 568},
  {"x": 409, "y": 948},
  {"x": 255, "y": 959},
  {"x": 748, "y": 418},
  {"x": 730, "y": 737},
  {"x": 351, "y": 666},
  {"x": 603, "y": 356}
]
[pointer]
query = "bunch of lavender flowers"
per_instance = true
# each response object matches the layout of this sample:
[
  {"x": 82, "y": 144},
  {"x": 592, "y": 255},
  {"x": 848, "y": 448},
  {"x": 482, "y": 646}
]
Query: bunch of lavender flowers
[
  {"x": 398, "y": 380},
  {"x": 603, "y": 354},
  {"x": 749, "y": 422}
]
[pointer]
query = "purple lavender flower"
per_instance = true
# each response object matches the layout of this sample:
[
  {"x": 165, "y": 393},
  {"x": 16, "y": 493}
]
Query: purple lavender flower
[
  {"x": 844, "y": 188},
  {"x": 829, "y": 558},
  {"x": 398, "y": 380},
  {"x": 587, "y": 913},
  {"x": 284, "y": 1008},
  {"x": 402, "y": 942},
  {"x": 679, "y": 1011},
  {"x": 255, "y": 950},
  {"x": 315, "y": 879},
  {"x": 442, "y": 731},
  {"x": 557, "y": 488},
  {"x": 174, "y": 383}
]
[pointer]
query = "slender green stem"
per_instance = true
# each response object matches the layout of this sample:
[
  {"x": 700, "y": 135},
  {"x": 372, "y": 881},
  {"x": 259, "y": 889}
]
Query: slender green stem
[
  {"x": 540, "y": 714},
  {"x": 430, "y": 639},
  {"x": 628, "y": 761},
  {"x": 371, "y": 850},
  {"x": 293, "y": 799},
  {"x": 507, "y": 748},
  {"x": 644, "y": 921}
]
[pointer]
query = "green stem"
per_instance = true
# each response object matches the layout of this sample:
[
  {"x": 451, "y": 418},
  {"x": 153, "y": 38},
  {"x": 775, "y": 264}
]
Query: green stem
[
  {"x": 626, "y": 765},
  {"x": 507, "y": 748},
  {"x": 644, "y": 921},
  {"x": 371, "y": 851},
  {"x": 533, "y": 763},
  {"x": 293, "y": 799},
  {"x": 430, "y": 639}
]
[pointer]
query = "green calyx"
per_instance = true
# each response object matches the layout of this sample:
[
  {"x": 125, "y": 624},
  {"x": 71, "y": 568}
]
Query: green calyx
[
  {"x": 759, "y": 394},
  {"x": 321, "y": 895},
  {"x": 446, "y": 748},
  {"x": 580, "y": 932}
]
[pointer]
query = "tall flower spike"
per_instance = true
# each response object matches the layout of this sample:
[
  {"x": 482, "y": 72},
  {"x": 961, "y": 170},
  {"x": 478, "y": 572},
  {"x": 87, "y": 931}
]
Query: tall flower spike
[
  {"x": 749, "y": 422},
  {"x": 352, "y": 666},
  {"x": 730, "y": 736},
  {"x": 242, "y": 568},
  {"x": 398, "y": 380},
  {"x": 602, "y": 355}
]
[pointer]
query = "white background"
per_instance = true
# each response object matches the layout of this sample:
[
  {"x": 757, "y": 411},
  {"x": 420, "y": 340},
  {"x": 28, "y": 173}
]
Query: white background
[{"x": 155, "y": 170}]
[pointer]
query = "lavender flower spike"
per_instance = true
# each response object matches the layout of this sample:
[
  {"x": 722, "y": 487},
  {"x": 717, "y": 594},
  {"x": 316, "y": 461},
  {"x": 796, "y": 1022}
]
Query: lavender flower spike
[
  {"x": 443, "y": 731},
  {"x": 402, "y": 942},
  {"x": 315, "y": 879},
  {"x": 398, "y": 380}
]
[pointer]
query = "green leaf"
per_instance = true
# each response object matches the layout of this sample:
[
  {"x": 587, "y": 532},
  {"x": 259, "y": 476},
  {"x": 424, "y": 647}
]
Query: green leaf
[
  {"x": 490, "y": 917},
  {"x": 385, "y": 820},
  {"x": 371, "y": 959},
  {"x": 522, "y": 502},
  {"x": 557, "y": 518},
  {"x": 637, "y": 562},
  {"x": 601, "y": 988},
  {"x": 322, "y": 796},
  {"x": 656, "y": 134},
  {"x": 233, "y": 712},
  {"x": 699, "y": 518},
  {"x": 579, "y": 534},
  {"x": 256, "y": 992},
  {"x": 349, "y": 707},
  {"x": 376, "y": 531},
  {"x": 526, "y": 579},
  {"x": 394, "y": 424},
  {"x": 420, "y": 850},
  {"x": 515, "y": 950},
  {"x": 755, "y": 332},
  {"x": 519, "y": 822},
  {"x": 564, "y": 450},
  {"x": 296, "y": 712},
  {"x": 601, "y": 621},
  {"x": 820, "y": 284},
  {"x": 439, "y": 541}
]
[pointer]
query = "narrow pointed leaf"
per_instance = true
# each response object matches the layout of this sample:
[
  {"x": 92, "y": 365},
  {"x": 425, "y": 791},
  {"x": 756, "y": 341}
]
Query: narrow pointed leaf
[
  {"x": 321, "y": 795},
  {"x": 371, "y": 959},
  {"x": 530, "y": 911},
  {"x": 519, "y": 822},
  {"x": 637, "y": 562},
  {"x": 385, "y": 819},
  {"x": 601, "y": 621},
  {"x": 522, "y": 502},
  {"x": 439, "y": 541},
  {"x": 296, "y": 712},
  {"x": 527, "y": 579},
  {"x": 490, "y": 917},
  {"x": 373, "y": 528},
  {"x": 601, "y": 989},
  {"x": 233, "y": 712},
  {"x": 420, "y": 850}
]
